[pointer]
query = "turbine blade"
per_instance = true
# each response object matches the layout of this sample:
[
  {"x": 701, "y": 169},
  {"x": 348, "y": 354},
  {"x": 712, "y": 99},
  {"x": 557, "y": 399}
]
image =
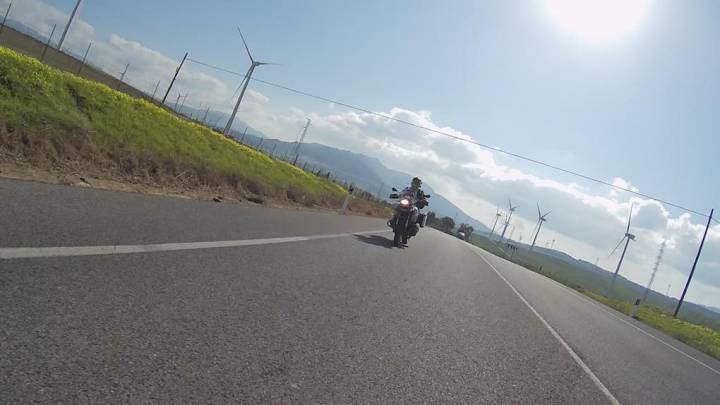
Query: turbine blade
[
  {"x": 546, "y": 214},
  {"x": 510, "y": 203},
  {"x": 538, "y": 207},
  {"x": 246, "y": 47},
  {"x": 267, "y": 63},
  {"x": 629, "y": 218},
  {"x": 618, "y": 245}
]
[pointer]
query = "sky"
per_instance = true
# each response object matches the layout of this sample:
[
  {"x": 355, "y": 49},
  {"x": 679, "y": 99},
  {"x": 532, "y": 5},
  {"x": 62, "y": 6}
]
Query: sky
[{"x": 621, "y": 90}]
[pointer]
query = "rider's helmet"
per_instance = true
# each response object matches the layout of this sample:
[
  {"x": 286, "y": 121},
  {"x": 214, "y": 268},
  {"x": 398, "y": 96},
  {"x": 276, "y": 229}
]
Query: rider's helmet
[{"x": 416, "y": 182}]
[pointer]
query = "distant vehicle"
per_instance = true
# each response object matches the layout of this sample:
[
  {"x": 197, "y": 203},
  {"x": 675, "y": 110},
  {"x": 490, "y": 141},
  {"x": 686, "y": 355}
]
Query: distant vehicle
[{"x": 464, "y": 232}]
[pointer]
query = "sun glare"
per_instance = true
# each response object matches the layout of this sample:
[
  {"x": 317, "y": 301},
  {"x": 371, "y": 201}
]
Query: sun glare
[{"x": 599, "y": 21}]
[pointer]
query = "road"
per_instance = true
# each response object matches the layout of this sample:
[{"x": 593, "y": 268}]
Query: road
[{"x": 315, "y": 308}]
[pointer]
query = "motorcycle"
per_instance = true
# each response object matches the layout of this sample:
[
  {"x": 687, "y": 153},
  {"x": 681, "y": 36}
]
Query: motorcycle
[{"x": 402, "y": 222}]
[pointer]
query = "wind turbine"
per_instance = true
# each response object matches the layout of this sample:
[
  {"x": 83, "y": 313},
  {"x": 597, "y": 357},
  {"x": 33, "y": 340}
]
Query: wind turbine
[
  {"x": 497, "y": 216},
  {"x": 538, "y": 225},
  {"x": 244, "y": 82},
  {"x": 626, "y": 238},
  {"x": 507, "y": 222}
]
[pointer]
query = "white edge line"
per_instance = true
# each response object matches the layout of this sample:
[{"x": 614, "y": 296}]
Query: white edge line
[
  {"x": 609, "y": 312},
  {"x": 557, "y": 336},
  {"x": 39, "y": 252}
]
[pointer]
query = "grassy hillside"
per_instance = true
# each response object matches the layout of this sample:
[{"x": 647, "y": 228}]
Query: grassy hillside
[{"x": 52, "y": 118}]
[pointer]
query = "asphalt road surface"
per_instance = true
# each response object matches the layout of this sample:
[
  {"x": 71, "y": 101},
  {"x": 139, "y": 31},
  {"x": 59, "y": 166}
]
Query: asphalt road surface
[{"x": 152, "y": 299}]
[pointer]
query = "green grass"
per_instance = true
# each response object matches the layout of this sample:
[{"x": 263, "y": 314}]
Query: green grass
[
  {"x": 44, "y": 103},
  {"x": 697, "y": 336}
]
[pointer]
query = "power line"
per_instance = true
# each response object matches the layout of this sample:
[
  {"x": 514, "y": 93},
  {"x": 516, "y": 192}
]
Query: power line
[{"x": 471, "y": 141}]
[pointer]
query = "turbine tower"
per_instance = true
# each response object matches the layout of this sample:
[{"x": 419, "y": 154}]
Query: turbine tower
[
  {"x": 509, "y": 217},
  {"x": 655, "y": 269},
  {"x": 300, "y": 140},
  {"x": 497, "y": 216},
  {"x": 538, "y": 225},
  {"x": 626, "y": 238},
  {"x": 243, "y": 83}
]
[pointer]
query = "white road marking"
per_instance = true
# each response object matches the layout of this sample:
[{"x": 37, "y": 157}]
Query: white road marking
[
  {"x": 557, "y": 336},
  {"x": 609, "y": 312},
  {"x": 625, "y": 321},
  {"x": 37, "y": 252}
]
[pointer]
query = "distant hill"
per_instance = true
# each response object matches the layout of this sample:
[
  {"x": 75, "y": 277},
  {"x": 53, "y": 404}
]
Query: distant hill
[
  {"x": 365, "y": 172},
  {"x": 20, "y": 27}
]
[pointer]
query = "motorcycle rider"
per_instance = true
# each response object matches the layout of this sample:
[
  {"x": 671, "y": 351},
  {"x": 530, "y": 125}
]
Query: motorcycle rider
[{"x": 414, "y": 192}]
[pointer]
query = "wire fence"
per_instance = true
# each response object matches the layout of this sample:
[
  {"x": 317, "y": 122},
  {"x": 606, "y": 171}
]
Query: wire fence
[{"x": 542, "y": 252}]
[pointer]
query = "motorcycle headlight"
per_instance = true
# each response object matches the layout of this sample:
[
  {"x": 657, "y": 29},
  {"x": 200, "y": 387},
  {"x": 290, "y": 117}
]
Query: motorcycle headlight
[{"x": 404, "y": 201}]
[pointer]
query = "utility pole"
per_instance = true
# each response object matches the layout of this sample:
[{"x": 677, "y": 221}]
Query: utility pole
[
  {"x": 655, "y": 269},
  {"x": 302, "y": 138},
  {"x": 173, "y": 79},
  {"x": 82, "y": 64},
  {"x": 205, "y": 116},
  {"x": 67, "y": 27},
  {"x": 122, "y": 75},
  {"x": 183, "y": 102},
  {"x": 692, "y": 271},
  {"x": 52, "y": 32},
  {"x": 177, "y": 101},
  {"x": 242, "y": 138},
  {"x": 5, "y": 18},
  {"x": 156, "y": 89}
]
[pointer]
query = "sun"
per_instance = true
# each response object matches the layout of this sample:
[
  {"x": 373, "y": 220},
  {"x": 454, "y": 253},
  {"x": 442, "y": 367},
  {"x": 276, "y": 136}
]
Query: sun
[{"x": 597, "y": 21}]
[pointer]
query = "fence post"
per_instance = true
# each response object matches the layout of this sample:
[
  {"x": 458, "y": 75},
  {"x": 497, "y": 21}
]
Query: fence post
[
  {"x": 82, "y": 64},
  {"x": 122, "y": 75},
  {"x": 155, "y": 91},
  {"x": 5, "y": 18},
  {"x": 634, "y": 312},
  {"x": 52, "y": 32},
  {"x": 347, "y": 200}
]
